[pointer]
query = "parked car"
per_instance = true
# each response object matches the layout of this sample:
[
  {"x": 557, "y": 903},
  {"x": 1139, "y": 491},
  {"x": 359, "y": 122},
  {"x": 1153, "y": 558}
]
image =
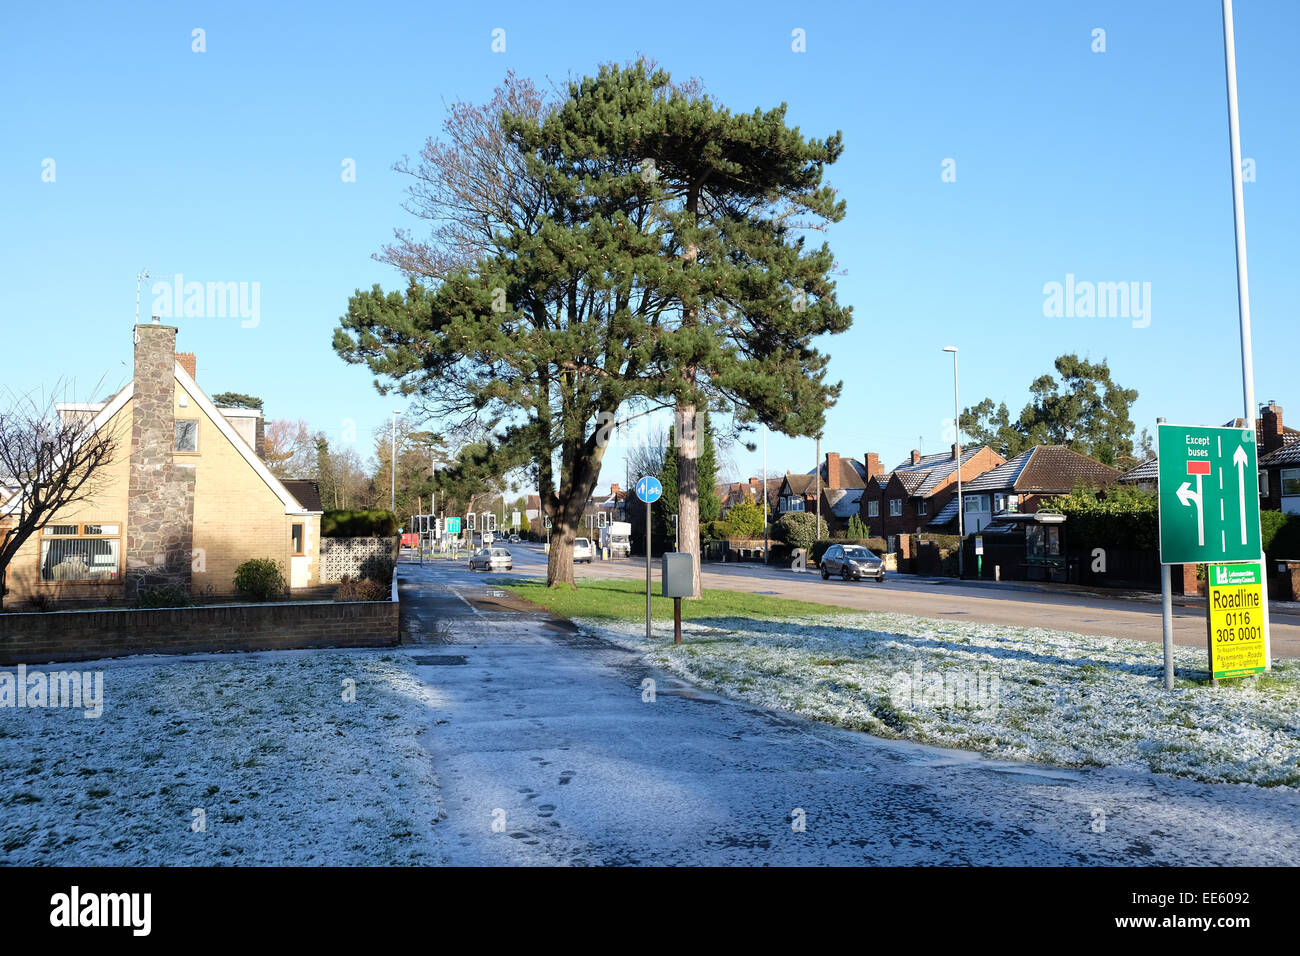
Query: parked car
[
  {"x": 514, "y": 539},
  {"x": 852, "y": 563},
  {"x": 583, "y": 550},
  {"x": 492, "y": 559}
]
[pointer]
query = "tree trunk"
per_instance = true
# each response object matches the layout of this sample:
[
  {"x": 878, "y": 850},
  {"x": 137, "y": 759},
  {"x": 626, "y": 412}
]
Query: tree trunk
[
  {"x": 688, "y": 492},
  {"x": 559, "y": 563}
]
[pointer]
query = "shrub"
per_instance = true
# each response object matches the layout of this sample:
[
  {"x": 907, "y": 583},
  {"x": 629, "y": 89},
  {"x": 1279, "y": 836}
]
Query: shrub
[
  {"x": 819, "y": 547},
  {"x": 744, "y": 520},
  {"x": 362, "y": 589},
  {"x": 374, "y": 523},
  {"x": 800, "y": 529},
  {"x": 40, "y": 603},
  {"x": 260, "y": 579},
  {"x": 856, "y": 529},
  {"x": 1119, "y": 517},
  {"x": 1281, "y": 535},
  {"x": 164, "y": 596}
]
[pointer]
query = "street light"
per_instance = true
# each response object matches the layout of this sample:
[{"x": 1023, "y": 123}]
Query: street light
[
  {"x": 956, "y": 418},
  {"x": 392, "y": 498}
]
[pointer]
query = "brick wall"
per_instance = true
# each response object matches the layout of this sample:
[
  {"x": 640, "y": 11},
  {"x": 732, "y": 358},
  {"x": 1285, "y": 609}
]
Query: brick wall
[{"x": 92, "y": 635}]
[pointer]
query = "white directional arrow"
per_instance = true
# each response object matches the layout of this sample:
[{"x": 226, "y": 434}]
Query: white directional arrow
[
  {"x": 1188, "y": 498},
  {"x": 1239, "y": 459}
]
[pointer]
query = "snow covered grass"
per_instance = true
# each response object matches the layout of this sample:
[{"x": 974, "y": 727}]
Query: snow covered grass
[
  {"x": 284, "y": 770},
  {"x": 1018, "y": 693}
]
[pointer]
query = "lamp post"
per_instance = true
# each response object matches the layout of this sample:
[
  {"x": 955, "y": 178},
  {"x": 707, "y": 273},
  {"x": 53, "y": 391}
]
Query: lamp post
[
  {"x": 956, "y": 419},
  {"x": 392, "y": 497}
]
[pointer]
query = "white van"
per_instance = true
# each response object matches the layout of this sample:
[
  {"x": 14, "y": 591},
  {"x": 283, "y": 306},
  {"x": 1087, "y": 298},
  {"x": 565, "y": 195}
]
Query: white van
[{"x": 582, "y": 550}]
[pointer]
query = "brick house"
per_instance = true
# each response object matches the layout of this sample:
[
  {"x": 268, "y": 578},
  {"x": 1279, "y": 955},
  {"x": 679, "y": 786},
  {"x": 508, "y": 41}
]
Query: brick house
[
  {"x": 185, "y": 500},
  {"x": 920, "y": 493},
  {"x": 843, "y": 481},
  {"x": 1020, "y": 485},
  {"x": 733, "y": 493}
]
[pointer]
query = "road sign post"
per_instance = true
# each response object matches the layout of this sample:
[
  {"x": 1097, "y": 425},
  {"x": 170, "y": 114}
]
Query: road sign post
[
  {"x": 649, "y": 490},
  {"x": 1209, "y": 514}
]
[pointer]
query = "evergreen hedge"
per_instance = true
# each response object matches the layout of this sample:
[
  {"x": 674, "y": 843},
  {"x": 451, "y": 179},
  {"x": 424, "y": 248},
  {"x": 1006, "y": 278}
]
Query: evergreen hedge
[{"x": 374, "y": 523}]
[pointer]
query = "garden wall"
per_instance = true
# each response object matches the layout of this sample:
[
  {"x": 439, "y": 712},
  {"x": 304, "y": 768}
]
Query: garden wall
[
  {"x": 348, "y": 557},
  {"x": 37, "y": 638}
]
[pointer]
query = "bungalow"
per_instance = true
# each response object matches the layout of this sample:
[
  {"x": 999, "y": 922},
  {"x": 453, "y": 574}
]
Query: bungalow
[
  {"x": 1019, "y": 485},
  {"x": 735, "y": 492},
  {"x": 921, "y": 491},
  {"x": 186, "y": 499}
]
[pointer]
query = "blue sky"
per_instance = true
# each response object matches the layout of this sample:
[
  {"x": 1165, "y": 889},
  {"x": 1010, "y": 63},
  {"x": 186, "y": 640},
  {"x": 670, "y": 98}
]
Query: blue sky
[{"x": 1111, "y": 167}]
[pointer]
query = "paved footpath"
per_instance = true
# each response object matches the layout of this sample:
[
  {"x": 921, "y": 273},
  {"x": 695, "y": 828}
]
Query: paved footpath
[{"x": 547, "y": 754}]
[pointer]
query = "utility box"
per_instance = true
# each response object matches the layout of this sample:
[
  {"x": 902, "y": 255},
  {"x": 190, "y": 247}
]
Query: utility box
[{"x": 679, "y": 575}]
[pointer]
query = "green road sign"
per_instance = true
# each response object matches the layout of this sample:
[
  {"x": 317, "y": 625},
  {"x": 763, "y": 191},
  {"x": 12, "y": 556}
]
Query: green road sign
[
  {"x": 1209, "y": 494},
  {"x": 453, "y": 526}
]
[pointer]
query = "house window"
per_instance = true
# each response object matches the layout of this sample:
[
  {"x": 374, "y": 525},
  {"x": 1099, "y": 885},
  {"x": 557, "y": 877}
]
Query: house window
[
  {"x": 923, "y": 507},
  {"x": 81, "y": 552},
  {"x": 976, "y": 503},
  {"x": 187, "y": 434},
  {"x": 873, "y": 509},
  {"x": 793, "y": 504},
  {"x": 1263, "y": 484},
  {"x": 1006, "y": 503},
  {"x": 1290, "y": 481},
  {"x": 895, "y": 507},
  {"x": 297, "y": 535}
]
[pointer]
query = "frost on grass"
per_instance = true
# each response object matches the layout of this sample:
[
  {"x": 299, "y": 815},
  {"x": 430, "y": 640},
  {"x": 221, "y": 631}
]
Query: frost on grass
[
  {"x": 284, "y": 770},
  {"x": 1018, "y": 693}
]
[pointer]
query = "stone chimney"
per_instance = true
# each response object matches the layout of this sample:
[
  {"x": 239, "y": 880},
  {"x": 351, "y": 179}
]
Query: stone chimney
[
  {"x": 160, "y": 493},
  {"x": 916, "y": 456},
  {"x": 874, "y": 467},
  {"x": 832, "y": 469},
  {"x": 1271, "y": 436},
  {"x": 189, "y": 362}
]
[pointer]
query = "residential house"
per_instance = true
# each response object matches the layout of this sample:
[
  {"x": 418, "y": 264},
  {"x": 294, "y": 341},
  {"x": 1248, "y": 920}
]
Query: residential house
[
  {"x": 842, "y": 481},
  {"x": 184, "y": 501},
  {"x": 735, "y": 492},
  {"x": 1020, "y": 485},
  {"x": 920, "y": 492}
]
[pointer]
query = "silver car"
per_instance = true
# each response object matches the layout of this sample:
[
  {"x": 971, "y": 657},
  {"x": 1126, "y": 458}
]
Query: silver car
[
  {"x": 852, "y": 563},
  {"x": 492, "y": 559}
]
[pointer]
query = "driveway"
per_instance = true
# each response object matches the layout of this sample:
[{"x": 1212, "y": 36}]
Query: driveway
[{"x": 549, "y": 751}]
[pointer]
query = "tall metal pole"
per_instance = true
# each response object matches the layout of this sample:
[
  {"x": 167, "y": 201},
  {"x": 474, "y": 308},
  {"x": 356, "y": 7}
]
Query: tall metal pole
[
  {"x": 817, "y": 528},
  {"x": 1243, "y": 281},
  {"x": 647, "y": 569},
  {"x": 392, "y": 498},
  {"x": 961, "y": 505},
  {"x": 766, "y": 546}
]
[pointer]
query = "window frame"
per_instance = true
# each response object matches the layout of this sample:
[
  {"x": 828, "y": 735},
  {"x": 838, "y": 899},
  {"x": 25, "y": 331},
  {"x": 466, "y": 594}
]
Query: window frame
[
  {"x": 895, "y": 507},
  {"x": 922, "y": 508},
  {"x": 48, "y": 535},
  {"x": 1282, "y": 479},
  {"x": 298, "y": 549},
  {"x": 873, "y": 508}
]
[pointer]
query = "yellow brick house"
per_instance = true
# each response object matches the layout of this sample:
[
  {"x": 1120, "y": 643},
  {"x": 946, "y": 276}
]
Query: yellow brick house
[{"x": 184, "y": 501}]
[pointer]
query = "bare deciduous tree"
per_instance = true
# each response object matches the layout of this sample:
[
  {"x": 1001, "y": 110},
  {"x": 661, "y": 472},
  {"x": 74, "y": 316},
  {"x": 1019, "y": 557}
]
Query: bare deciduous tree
[{"x": 48, "y": 461}]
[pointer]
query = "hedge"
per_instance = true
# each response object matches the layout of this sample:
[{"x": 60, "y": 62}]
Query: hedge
[
  {"x": 1281, "y": 535},
  {"x": 358, "y": 524},
  {"x": 877, "y": 545},
  {"x": 1116, "y": 518}
]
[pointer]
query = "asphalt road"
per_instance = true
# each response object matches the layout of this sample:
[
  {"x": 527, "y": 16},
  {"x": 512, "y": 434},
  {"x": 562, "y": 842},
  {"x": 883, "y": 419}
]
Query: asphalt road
[
  {"x": 548, "y": 752},
  {"x": 1136, "y": 617}
]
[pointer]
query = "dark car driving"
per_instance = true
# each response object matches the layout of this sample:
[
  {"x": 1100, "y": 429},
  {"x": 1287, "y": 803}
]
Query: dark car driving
[{"x": 852, "y": 563}]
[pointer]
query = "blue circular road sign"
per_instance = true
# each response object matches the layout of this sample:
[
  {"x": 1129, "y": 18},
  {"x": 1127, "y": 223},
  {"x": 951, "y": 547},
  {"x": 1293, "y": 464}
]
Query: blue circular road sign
[{"x": 649, "y": 490}]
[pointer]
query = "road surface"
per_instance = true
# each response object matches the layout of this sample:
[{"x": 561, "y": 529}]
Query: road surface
[{"x": 548, "y": 751}]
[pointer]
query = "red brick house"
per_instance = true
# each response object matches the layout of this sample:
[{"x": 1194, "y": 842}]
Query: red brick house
[
  {"x": 735, "y": 492},
  {"x": 843, "y": 481},
  {"x": 920, "y": 492}
]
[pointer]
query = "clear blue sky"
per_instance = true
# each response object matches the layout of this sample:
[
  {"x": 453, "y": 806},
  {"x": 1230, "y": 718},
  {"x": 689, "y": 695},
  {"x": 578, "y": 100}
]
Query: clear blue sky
[{"x": 225, "y": 166}]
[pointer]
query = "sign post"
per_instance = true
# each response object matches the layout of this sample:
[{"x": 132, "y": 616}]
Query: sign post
[
  {"x": 649, "y": 490},
  {"x": 1209, "y": 514}
]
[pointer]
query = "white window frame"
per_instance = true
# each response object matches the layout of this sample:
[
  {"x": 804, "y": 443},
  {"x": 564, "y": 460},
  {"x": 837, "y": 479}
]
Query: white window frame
[
  {"x": 895, "y": 507},
  {"x": 873, "y": 509}
]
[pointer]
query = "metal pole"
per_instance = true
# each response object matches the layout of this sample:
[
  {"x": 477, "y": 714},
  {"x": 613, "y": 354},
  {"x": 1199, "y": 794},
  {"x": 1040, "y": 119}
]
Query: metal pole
[
  {"x": 647, "y": 570},
  {"x": 766, "y": 546},
  {"x": 1166, "y": 612},
  {"x": 1243, "y": 280},
  {"x": 392, "y": 463},
  {"x": 817, "y": 528},
  {"x": 961, "y": 505}
]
